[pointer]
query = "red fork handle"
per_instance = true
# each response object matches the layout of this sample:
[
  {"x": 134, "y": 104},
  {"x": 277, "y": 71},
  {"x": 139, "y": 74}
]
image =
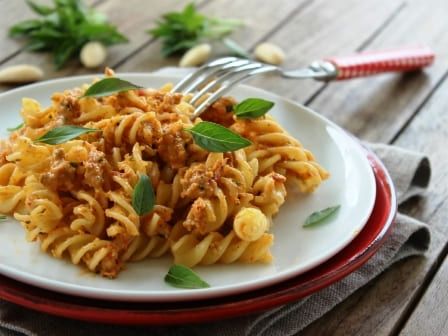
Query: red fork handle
[{"x": 374, "y": 62}]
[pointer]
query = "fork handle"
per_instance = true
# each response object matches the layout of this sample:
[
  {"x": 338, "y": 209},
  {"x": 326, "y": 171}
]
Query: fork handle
[{"x": 374, "y": 62}]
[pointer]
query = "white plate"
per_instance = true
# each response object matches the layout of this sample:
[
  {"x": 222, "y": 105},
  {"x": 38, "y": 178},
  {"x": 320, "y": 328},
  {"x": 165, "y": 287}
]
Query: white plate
[{"x": 295, "y": 249}]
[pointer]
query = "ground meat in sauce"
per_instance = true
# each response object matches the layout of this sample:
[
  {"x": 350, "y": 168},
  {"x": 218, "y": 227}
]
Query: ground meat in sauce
[
  {"x": 97, "y": 171},
  {"x": 163, "y": 102},
  {"x": 110, "y": 265},
  {"x": 68, "y": 104},
  {"x": 198, "y": 182},
  {"x": 197, "y": 216},
  {"x": 62, "y": 174},
  {"x": 170, "y": 100},
  {"x": 221, "y": 112},
  {"x": 165, "y": 214},
  {"x": 172, "y": 146}
]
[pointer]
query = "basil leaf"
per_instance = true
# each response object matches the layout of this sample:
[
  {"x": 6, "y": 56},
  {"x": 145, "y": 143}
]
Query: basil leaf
[
  {"x": 63, "y": 134},
  {"x": 182, "y": 30},
  {"x": 143, "y": 198},
  {"x": 12, "y": 129},
  {"x": 216, "y": 138},
  {"x": 64, "y": 28},
  {"x": 3, "y": 217},
  {"x": 319, "y": 216},
  {"x": 183, "y": 277},
  {"x": 236, "y": 49},
  {"x": 109, "y": 86},
  {"x": 252, "y": 108},
  {"x": 39, "y": 9},
  {"x": 23, "y": 28}
]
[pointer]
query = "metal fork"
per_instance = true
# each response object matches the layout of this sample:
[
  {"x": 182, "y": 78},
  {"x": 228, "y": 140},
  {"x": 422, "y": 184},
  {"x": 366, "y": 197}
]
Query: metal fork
[{"x": 216, "y": 78}]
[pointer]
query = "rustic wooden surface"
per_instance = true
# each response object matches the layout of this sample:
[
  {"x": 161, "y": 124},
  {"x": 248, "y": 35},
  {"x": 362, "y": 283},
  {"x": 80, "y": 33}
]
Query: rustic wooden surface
[{"x": 408, "y": 110}]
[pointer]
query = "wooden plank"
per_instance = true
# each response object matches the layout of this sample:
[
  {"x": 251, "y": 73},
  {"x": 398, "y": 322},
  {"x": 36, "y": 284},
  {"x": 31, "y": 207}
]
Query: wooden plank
[
  {"x": 131, "y": 19},
  {"x": 431, "y": 315},
  {"x": 259, "y": 20},
  {"x": 11, "y": 13},
  {"x": 322, "y": 13},
  {"x": 377, "y": 107},
  {"x": 323, "y": 29},
  {"x": 384, "y": 305}
]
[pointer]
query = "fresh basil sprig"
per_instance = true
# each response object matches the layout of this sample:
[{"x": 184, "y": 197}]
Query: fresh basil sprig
[
  {"x": 252, "y": 108},
  {"x": 109, "y": 86},
  {"x": 182, "y": 30},
  {"x": 64, "y": 28},
  {"x": 183, "y": 277},
  {"x": 143, "y": 198},
  {"x": 216, "y": 138},
  {"x": 63, "y": 134},
  {"x": 319, "y": 216},
  {"x": 12, "y": 129}
]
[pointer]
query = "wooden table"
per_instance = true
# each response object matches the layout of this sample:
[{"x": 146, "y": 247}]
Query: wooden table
[{"x": 407, "y": 110}]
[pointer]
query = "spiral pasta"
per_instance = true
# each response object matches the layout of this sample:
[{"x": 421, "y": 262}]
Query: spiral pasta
[
  {"x": 279, "y": 152},
  {"x": 76, "y": 198},
  {"x": 97, "y": 254},
  {"x": 192, "y": 249}
]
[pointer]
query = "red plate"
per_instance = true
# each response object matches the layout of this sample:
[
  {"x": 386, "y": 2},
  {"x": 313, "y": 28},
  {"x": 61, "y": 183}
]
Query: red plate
[{"x": 348, "y": 260}]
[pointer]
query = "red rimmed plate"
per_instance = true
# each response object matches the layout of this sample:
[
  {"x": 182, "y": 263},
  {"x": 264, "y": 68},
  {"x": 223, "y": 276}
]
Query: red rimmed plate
[
  {"x": 348, "y": 260},
  {"x": 296, "y": 249}
]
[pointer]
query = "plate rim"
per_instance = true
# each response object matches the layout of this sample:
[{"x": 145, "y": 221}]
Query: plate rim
[{"x": 120, "y": 295}]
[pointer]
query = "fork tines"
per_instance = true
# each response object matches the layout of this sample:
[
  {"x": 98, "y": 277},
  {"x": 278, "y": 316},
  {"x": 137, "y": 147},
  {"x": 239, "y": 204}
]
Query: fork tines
[{"x": 214, "y": 79}]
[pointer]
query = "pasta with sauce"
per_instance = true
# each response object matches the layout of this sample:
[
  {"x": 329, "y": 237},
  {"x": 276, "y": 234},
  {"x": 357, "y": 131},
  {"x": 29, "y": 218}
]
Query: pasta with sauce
[{"x": 75, "y": 198}]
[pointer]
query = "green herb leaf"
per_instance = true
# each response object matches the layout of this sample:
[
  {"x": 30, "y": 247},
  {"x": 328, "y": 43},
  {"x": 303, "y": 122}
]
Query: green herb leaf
[
  {"x": 183, "y": 277},
  {"x": 3, "y": 217},
  {"x": 109, "y": 86},
  {"x": 143, "y": 198},
  {"x": 235, "y": 48},
  {"x": 180, "y": 31},
  {"x": 12, "y": 129},
  {"x": 216, "y": 138},
  {"x": 252, "y": 108},
  {"x": 319, "y": 216},
  {"x": 63, "y": 134},
  {"x": 64, "y": 28},
  {"x": 23, "y": 28},
  {"x": 39, "y": 9}
]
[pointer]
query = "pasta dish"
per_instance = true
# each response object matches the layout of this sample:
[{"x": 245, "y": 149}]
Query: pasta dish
[{"x": 76, "y": 198}]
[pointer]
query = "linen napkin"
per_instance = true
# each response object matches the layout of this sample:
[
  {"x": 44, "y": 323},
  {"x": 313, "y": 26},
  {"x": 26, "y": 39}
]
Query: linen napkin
[{"x": 410, "y": 172}]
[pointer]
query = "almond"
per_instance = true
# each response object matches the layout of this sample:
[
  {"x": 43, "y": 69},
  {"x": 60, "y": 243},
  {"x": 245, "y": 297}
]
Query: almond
[
  {"x": 269, "y": 53},
  {"x": 93, "y": 54},
  {"x": 196, "y": 55},
  {"x": 23, "y": 73}
]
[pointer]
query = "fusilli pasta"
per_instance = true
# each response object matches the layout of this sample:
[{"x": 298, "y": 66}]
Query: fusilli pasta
[{"x": 76, "y": 198}]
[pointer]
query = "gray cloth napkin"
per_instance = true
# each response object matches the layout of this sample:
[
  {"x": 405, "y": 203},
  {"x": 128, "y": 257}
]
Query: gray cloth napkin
[{"x": 410, "y": 172}]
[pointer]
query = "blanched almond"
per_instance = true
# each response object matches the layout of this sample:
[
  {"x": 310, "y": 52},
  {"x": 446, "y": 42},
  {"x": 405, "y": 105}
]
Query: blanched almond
[
  {"x": 23, "y": 73},
  {"x": 93, "y": 54},
  {"x": 269, "y": 53},
  {"x": 196, "y": 55}
]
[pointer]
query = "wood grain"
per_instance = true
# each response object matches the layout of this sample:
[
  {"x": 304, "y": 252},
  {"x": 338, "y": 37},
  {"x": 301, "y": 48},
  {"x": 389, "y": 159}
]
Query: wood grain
[
  {"x": 431, "y": 316},
  {"x": 259, "y": 20},
  {"x": 13, "y": 12},
  {"x": 410, "y": 109},
  {"x": 376, "y": 108},
  {"x": 132, "y": 20},
  {"x": 384, "y": 305},
  {"x": 324, "y": 29}
]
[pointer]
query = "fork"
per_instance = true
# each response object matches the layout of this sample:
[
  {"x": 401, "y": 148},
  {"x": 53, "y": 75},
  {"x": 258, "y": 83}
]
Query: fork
[{"x": 214, "y": 79}]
